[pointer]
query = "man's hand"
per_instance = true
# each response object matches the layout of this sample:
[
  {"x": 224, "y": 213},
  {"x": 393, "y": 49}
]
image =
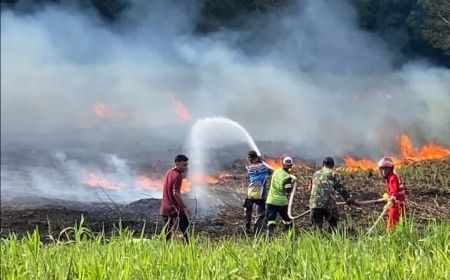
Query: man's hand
[{"x": 353, "y": 202}]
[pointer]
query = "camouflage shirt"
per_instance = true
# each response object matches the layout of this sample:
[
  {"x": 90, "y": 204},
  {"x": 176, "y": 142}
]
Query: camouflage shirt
[{"x": 325, "y": 183}]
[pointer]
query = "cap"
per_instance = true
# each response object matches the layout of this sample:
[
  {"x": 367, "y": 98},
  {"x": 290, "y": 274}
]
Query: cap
[
  {"x": 288, "y": 160},
  {"x": 252, "y": 154}
]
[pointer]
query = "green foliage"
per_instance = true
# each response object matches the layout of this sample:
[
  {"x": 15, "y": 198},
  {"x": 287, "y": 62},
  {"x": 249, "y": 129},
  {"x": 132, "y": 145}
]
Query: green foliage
[{"x": 405, "y": 254}]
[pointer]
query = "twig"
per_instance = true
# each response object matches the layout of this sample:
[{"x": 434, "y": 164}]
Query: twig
[
  {"x": 443, "y": 18},
  {"x": 112, "y": 201},
  {"x": 147, "y": 195}
]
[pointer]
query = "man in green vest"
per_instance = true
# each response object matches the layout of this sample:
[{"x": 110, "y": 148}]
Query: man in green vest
[
  {"x": 326, "y": 182},
  {"x": 277, "y": 201}
]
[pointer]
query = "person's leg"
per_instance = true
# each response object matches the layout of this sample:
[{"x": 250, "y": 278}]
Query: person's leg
[
  {"x": 317, "y": 217},
  {"x": 261, "y": 212},
  {"x": 271, "y": 218},
  {"x": 393, "y": 217},
  {"x": 168, "y": 226},
  {"x": 402, "y": 211},
  {"x": 287, "y": 222},
  {"x": 183, "y": 224},
  {"x": 248, "y": 209},
  {"x": 332, "y": 217}
]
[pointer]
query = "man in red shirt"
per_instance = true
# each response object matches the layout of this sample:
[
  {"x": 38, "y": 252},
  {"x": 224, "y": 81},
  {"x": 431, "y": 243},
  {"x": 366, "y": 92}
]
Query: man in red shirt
[
  {"x": 173, "y": 210},
  {"x": 395, "y": 193}
]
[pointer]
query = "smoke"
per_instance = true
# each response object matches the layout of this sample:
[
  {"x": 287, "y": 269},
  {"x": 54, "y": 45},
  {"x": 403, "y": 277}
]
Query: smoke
[
  {"x": 71, "y": 178},
  {"x": 306, "y": 74}
]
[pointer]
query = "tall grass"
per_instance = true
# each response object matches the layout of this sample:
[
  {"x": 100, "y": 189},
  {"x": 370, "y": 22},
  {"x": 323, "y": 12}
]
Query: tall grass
[{"x": 405, "y": 254}]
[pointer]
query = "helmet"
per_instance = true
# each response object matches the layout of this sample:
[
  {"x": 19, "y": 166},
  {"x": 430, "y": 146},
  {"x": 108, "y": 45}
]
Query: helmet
[
  {"x": 288, "y": 161},
  {"x": 385, "y": 162}
]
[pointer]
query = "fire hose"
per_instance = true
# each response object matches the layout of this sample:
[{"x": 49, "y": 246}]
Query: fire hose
[{"x": 292, "y": 217}]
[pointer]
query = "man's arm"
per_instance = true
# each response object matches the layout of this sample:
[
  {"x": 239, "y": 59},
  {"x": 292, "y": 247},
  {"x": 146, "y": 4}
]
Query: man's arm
[
  {"x": 342, "y": 190},
  {"x": 268, "y": 167},
  {"x": 288, "y": 184},
  {"x": 177, "y": 192}
]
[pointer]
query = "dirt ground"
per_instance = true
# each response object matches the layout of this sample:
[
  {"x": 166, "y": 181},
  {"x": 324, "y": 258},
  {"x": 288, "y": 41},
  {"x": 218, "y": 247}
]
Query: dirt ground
[{"x": 427, "y": 200}]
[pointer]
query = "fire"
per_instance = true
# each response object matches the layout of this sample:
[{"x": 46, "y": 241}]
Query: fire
[
  {"x": 143, "y": 182},
  {"x": 274, "y": 163},
  {"x": 408, "y": 153},
  {"x": 104, "y": 111},
  {"x": 180, "y": 109},
  {"x": 364, "y": 164},
  {"x": 99, "y": 181},
  {"x": 148, "y": 183},
  {"x": 203, "y": 180},
  {"x": 428, "y": 151}
]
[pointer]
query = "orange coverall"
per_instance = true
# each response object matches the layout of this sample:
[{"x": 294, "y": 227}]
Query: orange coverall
[{"x": 395, "y": 190}]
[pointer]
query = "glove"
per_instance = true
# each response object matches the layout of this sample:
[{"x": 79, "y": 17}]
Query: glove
[
  {"x": 390, "y": 204},
  {"x": 386, "y": 197}
]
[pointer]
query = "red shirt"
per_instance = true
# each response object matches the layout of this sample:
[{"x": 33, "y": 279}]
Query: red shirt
[
  {"x": 395, "y": 187},
  {"x": 172, "y": 185}
]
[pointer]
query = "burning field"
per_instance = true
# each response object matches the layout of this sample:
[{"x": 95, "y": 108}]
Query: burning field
[{"x": 218, "y": 212}]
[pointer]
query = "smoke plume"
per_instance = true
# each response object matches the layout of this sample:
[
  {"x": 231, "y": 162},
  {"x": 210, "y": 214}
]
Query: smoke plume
[{"x": 305, "y": 74}]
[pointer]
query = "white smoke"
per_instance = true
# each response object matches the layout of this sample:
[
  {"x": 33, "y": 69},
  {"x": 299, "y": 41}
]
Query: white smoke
[
  {"x": 71, "y": 179},
  {"x": 307, "y": 75}
]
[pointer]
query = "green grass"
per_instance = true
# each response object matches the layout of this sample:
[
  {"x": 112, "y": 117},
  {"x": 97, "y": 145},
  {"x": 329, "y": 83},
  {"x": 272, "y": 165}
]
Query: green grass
[{"x": 405, "y": 254}]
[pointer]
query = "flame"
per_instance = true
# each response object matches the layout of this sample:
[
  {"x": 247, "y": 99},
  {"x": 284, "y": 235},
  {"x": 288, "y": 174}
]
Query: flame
[
  {"x": 99, "y": 181},
  {"x": 408, "y": 153},
  {"x": 428, "y": 151},
  {"x": 104, "y": 111},
  {"x": 180, "y": 109},
  {"x": 147, "y": 183},
  {"x": 364, "y": 164},
  {"x": 205, "y": 179},
  {"x": 143, "y": 182},
  {"x": 274, "y": 163}
]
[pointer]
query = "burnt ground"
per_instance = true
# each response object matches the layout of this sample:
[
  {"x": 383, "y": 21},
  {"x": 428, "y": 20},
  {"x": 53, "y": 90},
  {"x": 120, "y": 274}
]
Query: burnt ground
[{"x": 221, "y": 214}]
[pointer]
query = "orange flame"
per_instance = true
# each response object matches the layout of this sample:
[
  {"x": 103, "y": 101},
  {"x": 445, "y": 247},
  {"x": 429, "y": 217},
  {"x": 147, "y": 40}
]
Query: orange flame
[
  {"x": 147, "y": 183},
  {"x": 180, "y": 109},
  {"x": 274, "y": 163},
  {"x": 408, "y": 153},
  {"x": 104, "y": 111},
  {"x": 98, "y": 181},
  {"x": 428, "y": 151},
  {"x": 364, "y": 164}
]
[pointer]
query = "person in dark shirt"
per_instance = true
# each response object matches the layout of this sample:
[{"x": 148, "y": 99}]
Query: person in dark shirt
[{"x": 173, "y": 210}]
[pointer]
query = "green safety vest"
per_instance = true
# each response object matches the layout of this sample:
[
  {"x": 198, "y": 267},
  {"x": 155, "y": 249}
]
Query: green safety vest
[{"x": 278, "y": 185}]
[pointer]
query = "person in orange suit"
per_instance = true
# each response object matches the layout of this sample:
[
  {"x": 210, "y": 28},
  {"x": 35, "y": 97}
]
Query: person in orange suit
[{"x": 395, "y": 194}]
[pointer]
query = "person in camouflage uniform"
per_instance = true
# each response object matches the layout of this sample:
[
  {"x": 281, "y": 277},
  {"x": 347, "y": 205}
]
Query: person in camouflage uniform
[
  {"x": 277, "y": 202},
  {"x": 326, "y": 182}
]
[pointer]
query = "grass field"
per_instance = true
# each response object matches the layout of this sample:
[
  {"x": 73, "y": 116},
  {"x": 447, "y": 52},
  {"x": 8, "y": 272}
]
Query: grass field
[{"x": 405, "y": 254}]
